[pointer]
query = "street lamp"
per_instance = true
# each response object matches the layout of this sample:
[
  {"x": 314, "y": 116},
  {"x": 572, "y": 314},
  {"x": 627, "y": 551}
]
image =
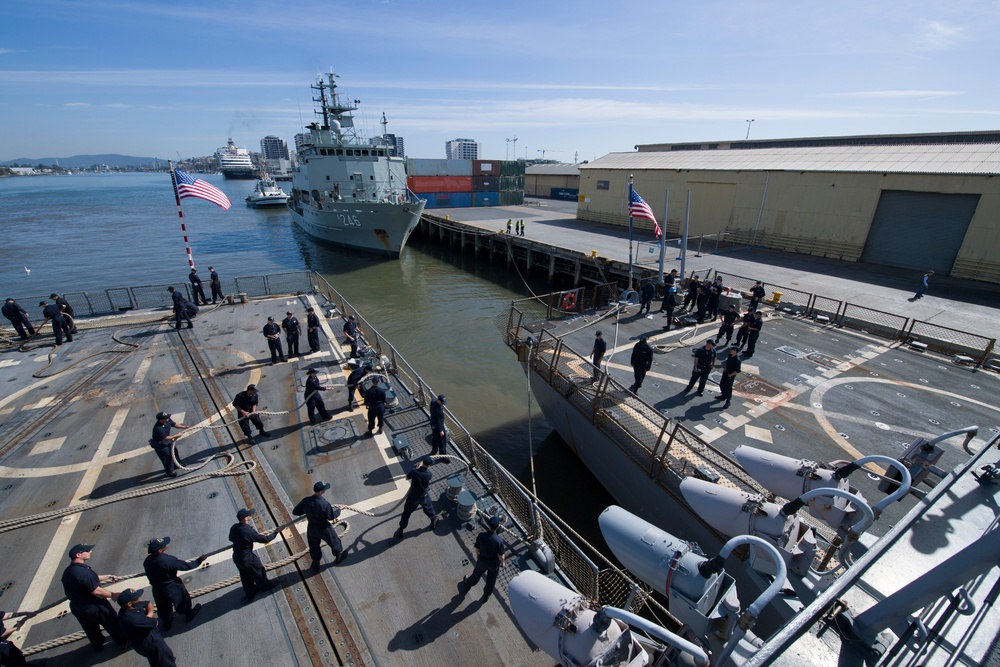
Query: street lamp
[{"x": 749, "y": 123}]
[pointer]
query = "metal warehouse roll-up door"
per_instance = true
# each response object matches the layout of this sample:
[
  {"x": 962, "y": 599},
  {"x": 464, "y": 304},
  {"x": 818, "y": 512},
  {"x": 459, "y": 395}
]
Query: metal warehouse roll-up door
[{"x": 919, "y": 230}]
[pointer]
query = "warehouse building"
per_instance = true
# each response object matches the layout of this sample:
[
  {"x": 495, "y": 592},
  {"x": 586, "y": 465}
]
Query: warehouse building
[
  {"x": 928, "y": 201},
  {"x": 554, "y": 181}
]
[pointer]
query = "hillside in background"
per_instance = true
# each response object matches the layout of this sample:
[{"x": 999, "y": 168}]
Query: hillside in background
[{"x": 83, "y": 161}]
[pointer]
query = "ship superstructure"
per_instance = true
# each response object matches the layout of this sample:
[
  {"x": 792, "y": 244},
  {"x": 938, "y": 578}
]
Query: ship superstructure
[{"x": 235, "y": 162}]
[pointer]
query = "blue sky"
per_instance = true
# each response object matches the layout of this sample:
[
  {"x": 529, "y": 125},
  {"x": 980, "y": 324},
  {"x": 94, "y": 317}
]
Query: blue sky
[{"x": 152, "y": 78}]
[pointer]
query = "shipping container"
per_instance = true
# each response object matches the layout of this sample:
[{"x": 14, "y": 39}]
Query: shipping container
[
  {"x": 508, "y": 183},
  {"x": 569, "y": 194},
  {"x": 485, "y": 198},
  {"x": 485, "y": 183},
  {"x": 485, "y": 167},
  {"x": 420, "y": 184},
  {"x": 447, "y": 199},
  {"x": 512, "y": 168},
  {"x": 511, "y": 198},
  {"x": 433, "y": 167}
]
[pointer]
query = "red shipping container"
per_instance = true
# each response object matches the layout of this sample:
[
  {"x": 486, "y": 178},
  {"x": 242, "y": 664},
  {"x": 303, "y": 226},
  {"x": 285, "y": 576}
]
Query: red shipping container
[
  {"x": 485, "y": 183},
  {"x": 440, "y": 183},
  {"x": 486, "y": 167}
]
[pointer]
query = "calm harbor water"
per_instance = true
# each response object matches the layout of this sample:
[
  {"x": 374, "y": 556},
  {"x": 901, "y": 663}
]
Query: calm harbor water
[{"x": 436, "y": 306}]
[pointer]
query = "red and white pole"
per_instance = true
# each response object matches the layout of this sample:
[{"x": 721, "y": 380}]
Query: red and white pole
[{"x": 180, "y": 214}]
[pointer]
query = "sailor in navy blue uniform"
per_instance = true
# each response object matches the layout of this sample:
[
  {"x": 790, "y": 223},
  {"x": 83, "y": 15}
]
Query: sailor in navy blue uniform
[
  {"x": 597, "y": 353},
  {"x": 10, "y": 655},
  {"x": 418, "y": 495},
  {"x": 744, "y": 331},
  {"x": 216, "y": 284},
  {"x": 60, "y": 327},
  {"x": 183, "y": 309},
  {"x": 161, "y": 441},
  {"x": 168, "y": 590},
  {"x": 646, "y": 295},
  {"x": 731, "y": 369},
  {"x": 353, "y": 382},
  {"x": 252, "y": 573},
  {"x": 668, "y": 306},
  {"x": 351, "y": 335},
  {"x": 704, "y": 362},
  {"x": 88, "y": 601},
  {"x": 690, "y": 299},
  {"x": 375, "y": 401},
  {"x": 272, "y": 332},
  {"x": 140, "y": 627},
  {"x": 728, "y": 318},
  {"x": 66, "y": 310},
  {"x": 314, "y": 401},
  {"x": 641, "y": 361},
  {"x": 292, "y": 332},
  {"x": 490, "y": 550},
  {"x": 245, "y": 403},
  {"x": 754, "y": 333},
  {"x": 18, "y": 317},
  {"x": 757, "y": 293},
  {"x": 319, "y": 513},
  {"x": 439, "y": 436},
  {"x": 312, "y": 330},
  {"x": 196, "y": 287}
]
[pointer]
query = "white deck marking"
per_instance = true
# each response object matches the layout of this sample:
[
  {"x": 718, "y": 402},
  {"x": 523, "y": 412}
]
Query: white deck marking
[
  {"x": 757, "y": 433},
  {"x": 140, "y": 373},
  {"x": 46, "y": 446},
  {"x": 710, "y": 434},
  {"x": 55, "y": 557},
  {"x": 751, "y": 369},
  {"x": 42, "y": 403},
  {"x": 9, "y": 362}
]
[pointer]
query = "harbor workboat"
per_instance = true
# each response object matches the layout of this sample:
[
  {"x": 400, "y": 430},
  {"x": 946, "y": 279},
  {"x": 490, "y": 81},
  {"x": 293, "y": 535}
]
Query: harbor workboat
[
  {"x": 347, "y": 191},
  {"x": 235, "y": 162},
  {"x": 266, "y": 194}
]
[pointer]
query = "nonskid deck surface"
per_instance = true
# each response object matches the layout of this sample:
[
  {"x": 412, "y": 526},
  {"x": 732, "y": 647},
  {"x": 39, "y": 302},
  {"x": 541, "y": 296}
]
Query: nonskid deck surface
[
  {"x": 81, "y": 435},
  {"x": 812, "y": 392}
]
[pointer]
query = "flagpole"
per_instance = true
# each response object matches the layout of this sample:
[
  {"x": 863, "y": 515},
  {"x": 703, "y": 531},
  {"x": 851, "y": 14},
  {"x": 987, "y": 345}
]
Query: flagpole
[
  {"x": 180, "y": 213},
  {"x": 663, "y": 235},
  {"x": 630, "y": 232}
]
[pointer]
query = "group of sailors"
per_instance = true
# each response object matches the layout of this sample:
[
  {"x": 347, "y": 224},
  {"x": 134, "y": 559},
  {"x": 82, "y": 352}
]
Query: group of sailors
[{"x": 58, "y": 312}]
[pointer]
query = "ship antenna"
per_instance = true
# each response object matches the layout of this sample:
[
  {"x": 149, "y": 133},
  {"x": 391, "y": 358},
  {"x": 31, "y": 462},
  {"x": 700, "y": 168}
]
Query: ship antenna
[{"x": 385, "y": 139}]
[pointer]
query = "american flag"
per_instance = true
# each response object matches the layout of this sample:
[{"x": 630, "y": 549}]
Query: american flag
[
  {"x": 189, "y": 186},
  {"x": 638, "y": 208}
]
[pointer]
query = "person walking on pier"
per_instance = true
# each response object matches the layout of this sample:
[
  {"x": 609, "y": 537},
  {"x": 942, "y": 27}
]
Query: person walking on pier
[
  {"x": 196, "y": 287},
  {"x": 351, "y": 335},
  {"x": 253, "y": 577},
  {"x": 272, "y": 332},
  {"x": 508, "y": 226},
  {"x": 140, "y": 627},
  {"x": 490, "y": 550},
  {"x": 168, "y": 590},
  {"x": 646, "y": 295},
  {"x": 375, "y": 402},
  {"x": 744, "y": 331},
  {"x": 728, "y": 318},
  {"x": 9, "y": 653},
  {"x": 924, "y": 284},
  {"x": 418, "y": 495},
  {"x": 691, "y": 298},
  {"x": 319, "y": 513},
  {"x": 314, "y": 401},
  {"x": 753, "y": 334},
  {"x": 60, "y": 327},
  {"x": 161, "y": 442},
  {"x": 312, "y": 330},
  {"x": 292, "y": 332},
  {"x": 216, "y": 284},
  {"x": 597, "y": 354},
  {"x": 668, "y": 305},
  {"x": 642, "y": 361},
  {"x": 354, "y": 381},
  {"x": 183, "y": 309},
  {"x": 245, "y": 403},
  {"x": 439, "y": 436},
  {"x": 704, "y": 362},
  {"x": 89, "y": 602},
  {"x": 66, "y": 309},
  {"x": 731, "y": 369},
  {"x": 18, "y": 318},
  {"x": 757, "y": 294}
]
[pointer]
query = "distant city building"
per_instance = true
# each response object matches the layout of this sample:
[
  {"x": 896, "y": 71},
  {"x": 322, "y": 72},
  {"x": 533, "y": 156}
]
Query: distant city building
[
  {"x": 302, "y": 139},
  {"x": 273, "y": 148},
  {"x": 397, "y": 145},
  {"x": 462, "y": 149}
]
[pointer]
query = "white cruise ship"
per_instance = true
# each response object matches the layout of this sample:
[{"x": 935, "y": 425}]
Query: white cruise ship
[
  {"x": 350, "y": 192},
  {"x": 235, "y": 162}
]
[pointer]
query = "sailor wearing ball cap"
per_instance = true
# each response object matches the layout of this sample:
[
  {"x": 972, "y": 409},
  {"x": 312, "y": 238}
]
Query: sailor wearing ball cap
[
  {"x": 136, "y": 618},
  {"x": 245, "y": 403},
  {"x": 489, "y": 559},
  {"x": 439, "y": 438},
  {"x": 319, "y": 513},
  {"x": 314, "y": 401},
  {"x": 161, "y": 442},
  {"x": 88, "y": 601},
  {"x": 168, "y": 590},
  {"x": 418, "y": 495},
  {"x": 252, "y": 574},
  {"x": 292, "y": 330}
]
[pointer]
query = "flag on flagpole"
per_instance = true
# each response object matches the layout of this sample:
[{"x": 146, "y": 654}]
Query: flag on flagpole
[
  {"x": 189, "y": 186},
  {"x": 638, "y": 208}
]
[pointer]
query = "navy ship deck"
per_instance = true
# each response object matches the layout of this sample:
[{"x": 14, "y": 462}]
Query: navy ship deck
[{"x": 74, "y": 424}]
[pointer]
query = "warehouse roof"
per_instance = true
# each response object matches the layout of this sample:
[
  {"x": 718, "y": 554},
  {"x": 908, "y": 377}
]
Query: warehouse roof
[
  {"x": 977, "y": 158},
  {"x": 552, "y": 170}
]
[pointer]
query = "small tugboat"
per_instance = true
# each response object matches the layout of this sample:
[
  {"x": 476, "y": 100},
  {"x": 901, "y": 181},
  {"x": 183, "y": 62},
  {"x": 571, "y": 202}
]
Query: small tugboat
[{"x": 266, "y": 193}]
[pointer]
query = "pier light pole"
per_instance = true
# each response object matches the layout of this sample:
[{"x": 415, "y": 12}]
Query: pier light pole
[{"x": 749, "y": 123}]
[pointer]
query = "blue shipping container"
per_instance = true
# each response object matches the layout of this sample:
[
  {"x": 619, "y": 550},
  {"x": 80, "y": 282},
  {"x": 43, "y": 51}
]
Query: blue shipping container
[
  {"x": 447, "y": 199},
  {"x": 570, "y": 194},
  {"x": 485, "y": 198}
]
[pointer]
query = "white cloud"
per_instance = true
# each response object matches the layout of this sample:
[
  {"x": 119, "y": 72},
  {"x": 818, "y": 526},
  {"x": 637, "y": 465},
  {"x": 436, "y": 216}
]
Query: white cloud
[
  {"x": 117, "y": 106},
  {"x": 5, "y": 51},
  {"x": 940, "y": 36},
  {"x": 894, "y": 94},
  {"x": 76, "y": 104}
]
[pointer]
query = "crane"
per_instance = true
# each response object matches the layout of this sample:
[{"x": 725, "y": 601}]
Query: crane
[{"x": 543, "y": 151}]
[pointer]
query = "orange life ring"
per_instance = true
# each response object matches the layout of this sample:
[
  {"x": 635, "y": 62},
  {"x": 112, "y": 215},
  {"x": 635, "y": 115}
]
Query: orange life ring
[{"x": 569, "y": 301}]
